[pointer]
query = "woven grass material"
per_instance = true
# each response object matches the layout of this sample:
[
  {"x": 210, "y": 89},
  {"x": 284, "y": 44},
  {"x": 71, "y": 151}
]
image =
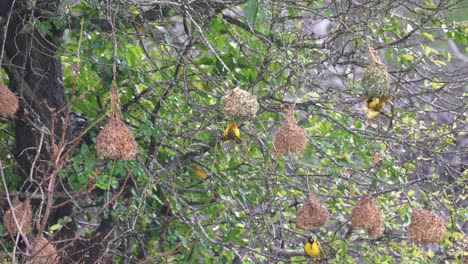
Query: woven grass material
[
  {"x": 426, "y": 227},
  {"x": 43, "y": 251},
  {"x": 290, "y": 137},
  {"x": 375, "y": 79},
  {"x": 23, "y": 214},
  {"x": 238, "y": 102},
  {"x": 115, "y": 140},
  {"x": 312, "y": 214},
  {"x": 367, "y": 215},
  {"x": 8, "y": 101}
]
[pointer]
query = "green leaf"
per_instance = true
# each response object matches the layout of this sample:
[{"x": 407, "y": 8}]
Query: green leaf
[
  {"x": 407, "y": 57},
  {"x": 428, "y": 36},
  {"x": 250, "y": 10}
]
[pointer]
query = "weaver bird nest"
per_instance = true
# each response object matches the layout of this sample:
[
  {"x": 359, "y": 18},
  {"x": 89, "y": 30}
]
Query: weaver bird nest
[
  {"x": 426, "y": 227},
  {"x": 367, "y": 215},
  {"x": 22, "y": 214},
  {"x": 290, "y": 137},
  {"x": 238, "y": 102},
  {"x": 115, "y": 141},
  {"x": 375, "y": 79},
  {"x": 8, "y": 101},
  {"x": 312, "y": 214},
  {"x": 42, "y": 251}
]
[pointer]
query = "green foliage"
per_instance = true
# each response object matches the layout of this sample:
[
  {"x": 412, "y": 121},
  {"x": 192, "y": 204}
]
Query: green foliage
[{"x": 170, "y": 84}]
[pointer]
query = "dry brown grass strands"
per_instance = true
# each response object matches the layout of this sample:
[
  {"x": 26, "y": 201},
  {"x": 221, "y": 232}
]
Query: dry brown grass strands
[
  {"x": 290, "y": 137},
  {"x": 43, "y": 251},
  {"x": 367, "y": 215},
  {"x": 115, "y": 141},
  {"x": 8, "y": 101},
  {"x": 23, "y": 215},
  {"x": 312, "y": 214},
  {"x": 426, "y": 227},
  {"x": 238, "y": 102}
]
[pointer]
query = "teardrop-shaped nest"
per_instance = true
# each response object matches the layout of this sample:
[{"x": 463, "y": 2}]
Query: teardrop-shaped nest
[
  {"x": 290, "y": 137},
  {"x": 375, "y": 79},
  {"x": 23, "y": 215},
  {"x": 238, "y": 102},
  {"x": 115, "y": 141},
  {"x": 367, "y": 215},
  {"x": 8, "y": 101},
  {"x": 312, "y": 214},
  {"x": 43, "y": 251},
  {"x": 426, "y": 227}
]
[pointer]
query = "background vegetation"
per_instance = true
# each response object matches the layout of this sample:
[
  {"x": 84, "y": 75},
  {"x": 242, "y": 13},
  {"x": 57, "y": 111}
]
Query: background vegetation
[{"x": 175, "y": 60}]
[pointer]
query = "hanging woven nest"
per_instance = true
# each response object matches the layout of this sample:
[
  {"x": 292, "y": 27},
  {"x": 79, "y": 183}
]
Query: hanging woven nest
[
  {"x": 238, "y": 102},
  {"x": 42, "y": 251},
  {"x": 290, "y": 137},
  {"x": 115, "y": 140},
  {"x": 426, "y": 227},
  {"x": 312, "y": 214},
  {"x": 367, "y": 215},
  {"x": 375, "y": 79},
  {"x": 8, "y": 101},
  {"x": 22, "y": 213}
]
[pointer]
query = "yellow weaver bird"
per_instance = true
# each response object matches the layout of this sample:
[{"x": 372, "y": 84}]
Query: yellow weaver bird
[
  {"x": 232, "y": 133},
  {"x": 313, "y": 249},
  {"x": 199, "y": 172},
  {"x": 375, "y": 105}
]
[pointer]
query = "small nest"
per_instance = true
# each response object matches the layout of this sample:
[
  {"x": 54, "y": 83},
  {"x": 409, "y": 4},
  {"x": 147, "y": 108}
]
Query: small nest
[
  {"x": 426, "y": 227},
  {"x": 8, "y": 101},
  {"x": 238, "y": 102},
  {"x": 115, "y": 141},
  {"x": 23, "y": 215},
  {"x": 375, "y": 79},
  {"x": 312, "y": 214},
  {"x": 366, "y": 215},
  {"x": 43, "y": 252},
  {"x": 290, "y": 137}
]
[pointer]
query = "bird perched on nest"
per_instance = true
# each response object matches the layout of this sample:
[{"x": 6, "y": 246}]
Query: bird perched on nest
[
  {"x": 232, "y": 133},
  {"x": 313, "y": 249},
  {"x": 375, "y": 105}
]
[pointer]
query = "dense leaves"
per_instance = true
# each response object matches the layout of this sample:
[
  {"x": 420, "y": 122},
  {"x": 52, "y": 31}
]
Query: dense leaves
[{"x": 176, "y": 60}]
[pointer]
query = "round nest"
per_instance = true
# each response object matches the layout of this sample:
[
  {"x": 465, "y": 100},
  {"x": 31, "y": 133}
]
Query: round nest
[
  {"x": 8, "y": 101},
  {"x": 23, "y": 215},
  {"x": 115, "y": 141},
  {"x": 426, "y": 227},
  {"x": 290, "y": 137},
  {"x": 238, "y": 102},
  {"x": 375, "y": 79},
  {"x": 366, "y": 215},
  {"x": 312, "y": 214},
  {"x": 43, "y": 251}
]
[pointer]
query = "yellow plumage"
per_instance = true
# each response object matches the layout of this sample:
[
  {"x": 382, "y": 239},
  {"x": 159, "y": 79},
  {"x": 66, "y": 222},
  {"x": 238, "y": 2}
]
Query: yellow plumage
[
  {"x": 375, "y": 105},
  {"x": 199, "y": 172},
  {"x": 232, "y": 133},
  {"x": 313, "y": 249}
]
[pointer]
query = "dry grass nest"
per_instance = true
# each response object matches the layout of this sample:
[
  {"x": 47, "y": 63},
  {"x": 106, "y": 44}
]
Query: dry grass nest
[
  {"x": 426, "y": 227},
  {"x": 367, "y": 215},
  {"x": 115, "y": 141},
  {"x": 290, "y": 137},
  {"x": 312, "y": 214},
  {"x": 238, "y": 102},
  {"x": 43, "y": 251},
  {"x": 8, "y": 101},
  {"x": 23, "y": 215}
]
